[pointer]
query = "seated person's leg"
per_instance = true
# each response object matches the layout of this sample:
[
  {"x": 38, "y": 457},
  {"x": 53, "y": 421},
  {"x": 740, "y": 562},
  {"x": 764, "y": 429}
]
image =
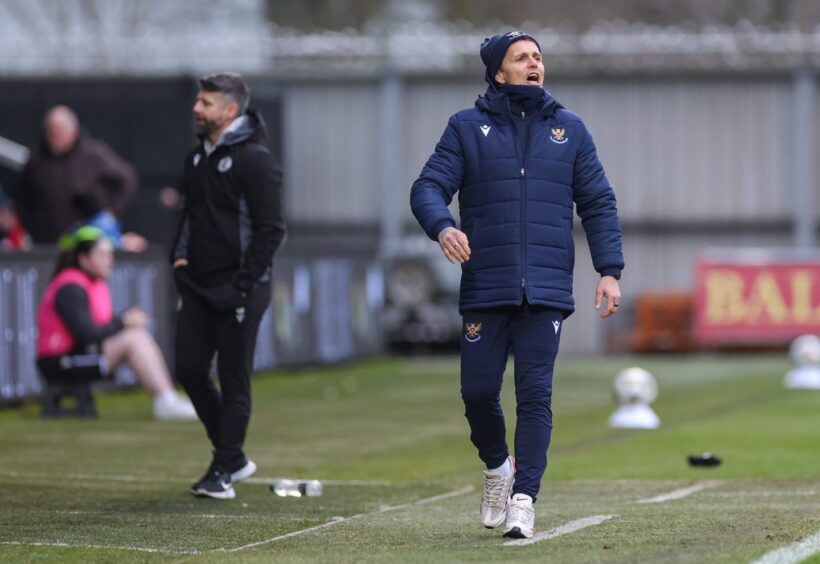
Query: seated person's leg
[
  {"x": 139, "y": 349},
  {"x": 75, "y": 367}
]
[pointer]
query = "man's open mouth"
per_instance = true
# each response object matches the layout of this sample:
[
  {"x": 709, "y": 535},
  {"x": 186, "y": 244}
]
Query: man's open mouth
[{"x": 533, "y": 77}]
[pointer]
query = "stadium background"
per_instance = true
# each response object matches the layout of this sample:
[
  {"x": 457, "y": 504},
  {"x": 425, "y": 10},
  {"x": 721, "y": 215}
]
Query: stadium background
[
  {"x": 357, "y": 111},
  {"x": 705, "y": 116}
]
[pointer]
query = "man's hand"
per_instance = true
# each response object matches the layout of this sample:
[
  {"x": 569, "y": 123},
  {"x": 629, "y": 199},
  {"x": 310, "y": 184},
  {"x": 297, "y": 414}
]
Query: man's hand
[
  {"x": 454, "y": 244},
  {"x": 608, "y": 290},
  {"x": 180, "y": 262}
]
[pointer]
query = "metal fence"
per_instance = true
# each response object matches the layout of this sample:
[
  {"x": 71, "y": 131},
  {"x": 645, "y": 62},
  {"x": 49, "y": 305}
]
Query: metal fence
[{"x": 326, "y": 304}]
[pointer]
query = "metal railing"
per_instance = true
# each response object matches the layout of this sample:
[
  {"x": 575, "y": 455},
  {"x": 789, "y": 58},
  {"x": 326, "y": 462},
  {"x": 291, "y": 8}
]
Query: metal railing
[{"x": 325, "y": 308}]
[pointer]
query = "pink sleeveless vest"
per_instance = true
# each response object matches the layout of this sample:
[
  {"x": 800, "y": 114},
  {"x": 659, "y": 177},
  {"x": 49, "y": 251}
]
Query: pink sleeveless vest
[{"x": 55, "y": 338}]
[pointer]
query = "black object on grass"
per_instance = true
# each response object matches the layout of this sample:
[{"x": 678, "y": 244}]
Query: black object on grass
[{"x": 706, "y": 459}]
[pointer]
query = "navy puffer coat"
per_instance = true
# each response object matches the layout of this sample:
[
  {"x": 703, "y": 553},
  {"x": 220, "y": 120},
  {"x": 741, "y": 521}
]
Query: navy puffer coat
[{"x": 517, "y": 183}]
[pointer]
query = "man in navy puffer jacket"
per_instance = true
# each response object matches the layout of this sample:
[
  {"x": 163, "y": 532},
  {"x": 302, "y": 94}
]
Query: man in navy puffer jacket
[{"x": 519, "y": 162}]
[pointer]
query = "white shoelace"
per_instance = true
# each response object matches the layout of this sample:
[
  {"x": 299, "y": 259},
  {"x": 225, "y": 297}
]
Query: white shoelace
[{"x": 495, "y": 491}]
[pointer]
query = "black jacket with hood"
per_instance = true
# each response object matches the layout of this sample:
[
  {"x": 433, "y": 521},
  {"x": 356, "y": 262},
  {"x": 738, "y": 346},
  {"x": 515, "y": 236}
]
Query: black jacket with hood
[{"x": 232, "y": 221}]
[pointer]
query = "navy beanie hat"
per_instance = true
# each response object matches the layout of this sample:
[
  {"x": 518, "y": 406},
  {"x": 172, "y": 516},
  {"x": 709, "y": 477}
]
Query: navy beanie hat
[{"x": 494, "y": 48}]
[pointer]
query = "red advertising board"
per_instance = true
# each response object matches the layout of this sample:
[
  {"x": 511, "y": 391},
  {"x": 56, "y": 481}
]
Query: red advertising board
[{"x": 755, "y": 299}]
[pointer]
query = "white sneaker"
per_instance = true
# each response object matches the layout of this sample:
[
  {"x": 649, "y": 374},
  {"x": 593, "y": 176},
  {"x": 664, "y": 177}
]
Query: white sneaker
[
  {"x": 520, "y": 517},
  {"x": 173, "y": 407},
  {"x": 245, "y": 472},
  {"x": 496, "y": 497}
]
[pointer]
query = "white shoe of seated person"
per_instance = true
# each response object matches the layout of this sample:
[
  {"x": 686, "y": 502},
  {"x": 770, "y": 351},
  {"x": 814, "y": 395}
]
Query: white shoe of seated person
[
  {"x": 171, "y": 406},
  {"x": 520, "y": 517},
  {"x": 496, "y": 496}
]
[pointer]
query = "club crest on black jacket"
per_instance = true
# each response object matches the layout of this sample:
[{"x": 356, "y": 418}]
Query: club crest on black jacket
[{"x": 232, "y": 220}]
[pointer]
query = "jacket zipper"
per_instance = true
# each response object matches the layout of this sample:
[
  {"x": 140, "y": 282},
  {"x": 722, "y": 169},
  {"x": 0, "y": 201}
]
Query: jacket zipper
[
  {"x": 524, "y": 206},
  {"x": 523, "y": 245}
]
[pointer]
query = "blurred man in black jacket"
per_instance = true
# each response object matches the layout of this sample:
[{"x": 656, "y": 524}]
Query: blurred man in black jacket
[{"x": 231, "y": 226}]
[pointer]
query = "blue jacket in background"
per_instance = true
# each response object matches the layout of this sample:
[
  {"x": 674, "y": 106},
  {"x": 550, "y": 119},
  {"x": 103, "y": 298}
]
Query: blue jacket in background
[{"x": 517, "y": 183}]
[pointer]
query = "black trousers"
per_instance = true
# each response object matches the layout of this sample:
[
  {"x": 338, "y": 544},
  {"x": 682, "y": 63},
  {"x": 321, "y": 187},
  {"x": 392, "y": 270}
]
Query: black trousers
[{"x": 203, "y": 331}]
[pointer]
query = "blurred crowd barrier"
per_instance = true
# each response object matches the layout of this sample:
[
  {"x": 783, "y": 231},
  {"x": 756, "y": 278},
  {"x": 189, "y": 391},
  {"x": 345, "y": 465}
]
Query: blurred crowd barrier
[{"x": 326, "y": 304}]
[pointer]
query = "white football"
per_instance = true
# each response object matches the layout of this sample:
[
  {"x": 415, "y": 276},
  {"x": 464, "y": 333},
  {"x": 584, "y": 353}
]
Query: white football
[
  {"x": 805, "y": 349},
  {"x": 635, "y": 385}
]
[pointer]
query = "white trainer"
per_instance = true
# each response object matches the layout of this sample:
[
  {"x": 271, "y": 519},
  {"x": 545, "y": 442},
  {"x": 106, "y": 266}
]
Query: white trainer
[
  {"x": 520, "y": 517},
  {"x": 496, "y": 497},
  {"x": 243, "y": 473},
  {"x": 172, "y": 406}
]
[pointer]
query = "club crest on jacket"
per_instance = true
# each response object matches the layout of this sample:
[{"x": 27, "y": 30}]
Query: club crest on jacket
[
  {"x": 225, "y": 164},
  {"x": 558, "y": 135},
  {"x": 472, "y": 332},
  {"x": 197, "y": 157}
]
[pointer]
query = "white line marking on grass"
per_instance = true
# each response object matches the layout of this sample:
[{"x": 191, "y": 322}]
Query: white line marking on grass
[
  {"x": 678, "y": 494},
  {"x": 338, "y": 520},
  {"x": 335, "y": 521},
  {"x": 793, "y": 553},
  {"x": 766, "y": 493},
  {"x": 256, "y": 480},
  {"x": 251, "y": 516},
  {"x": 96, "y": 477},
  {"x": 146, "y": 479},
  {"x": 570, "y": 527},
  {"x": 103, "y": 546}
]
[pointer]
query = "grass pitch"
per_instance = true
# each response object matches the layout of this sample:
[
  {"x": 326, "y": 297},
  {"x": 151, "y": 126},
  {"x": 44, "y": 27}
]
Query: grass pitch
[{"x": 402, "y": 482}]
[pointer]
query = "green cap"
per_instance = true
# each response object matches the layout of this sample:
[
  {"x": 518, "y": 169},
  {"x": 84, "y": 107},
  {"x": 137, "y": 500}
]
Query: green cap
[{"x": 71, "y": 239}]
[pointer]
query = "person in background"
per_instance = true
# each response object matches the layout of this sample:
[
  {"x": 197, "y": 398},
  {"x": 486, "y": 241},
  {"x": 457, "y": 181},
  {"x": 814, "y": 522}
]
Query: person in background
[
  {"x": 81, "y": 338},
  {"x": 90, "y": 211},
  {"x": 521, "y": 164},
  {"x": 67, "y": 162},
  {"x": 13, "y": 236},
  {"x": 230, "y": 228}
]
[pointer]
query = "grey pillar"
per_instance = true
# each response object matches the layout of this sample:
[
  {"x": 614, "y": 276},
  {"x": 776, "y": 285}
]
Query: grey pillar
[
  {"x": 803, "y": 160},
  {"x": 395, "y": 198}
]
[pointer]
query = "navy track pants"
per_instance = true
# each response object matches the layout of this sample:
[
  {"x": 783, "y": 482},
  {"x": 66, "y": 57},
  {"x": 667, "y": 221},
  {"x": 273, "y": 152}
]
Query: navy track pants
[{"x": 532, "y": 333}]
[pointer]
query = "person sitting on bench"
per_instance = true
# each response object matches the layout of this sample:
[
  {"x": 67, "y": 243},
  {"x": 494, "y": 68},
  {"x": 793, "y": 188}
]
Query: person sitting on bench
[{"x": 80, "y": 339}]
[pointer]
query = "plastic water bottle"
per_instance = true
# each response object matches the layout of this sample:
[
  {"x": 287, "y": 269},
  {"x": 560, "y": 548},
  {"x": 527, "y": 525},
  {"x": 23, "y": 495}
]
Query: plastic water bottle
[
  {"x": 297, "y": 488},
  {"x": 311, "y": 488}
]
